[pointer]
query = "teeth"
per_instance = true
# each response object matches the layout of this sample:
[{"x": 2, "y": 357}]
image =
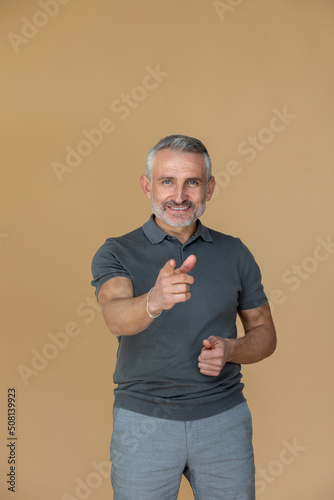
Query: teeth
[{"x": 179, "y": 208}]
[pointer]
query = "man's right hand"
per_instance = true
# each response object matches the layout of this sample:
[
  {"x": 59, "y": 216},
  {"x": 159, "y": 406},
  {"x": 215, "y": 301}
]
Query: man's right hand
[
  {"x": 127, "y": 315},
  {"x": 172, "y": 285}
]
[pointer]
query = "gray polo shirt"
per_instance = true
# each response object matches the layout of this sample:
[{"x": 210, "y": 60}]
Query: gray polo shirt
[{"x": 156, "y": 370}]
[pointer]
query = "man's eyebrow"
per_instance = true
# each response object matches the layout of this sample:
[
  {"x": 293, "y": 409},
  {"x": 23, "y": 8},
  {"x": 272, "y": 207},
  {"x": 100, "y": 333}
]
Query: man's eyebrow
[
  {"x": 170, "y": 177},
  {"x": 199, "y": 179}
]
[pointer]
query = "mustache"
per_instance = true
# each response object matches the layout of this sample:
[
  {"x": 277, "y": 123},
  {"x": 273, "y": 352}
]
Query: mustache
[{"x": 178, "y": 205}]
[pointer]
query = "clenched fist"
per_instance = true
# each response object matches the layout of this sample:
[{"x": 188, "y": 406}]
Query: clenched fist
[{"x": 214, "y": 355}]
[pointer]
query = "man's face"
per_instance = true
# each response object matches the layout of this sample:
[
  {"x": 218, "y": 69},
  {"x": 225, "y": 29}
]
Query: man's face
[{"x": 179, "y": 188}]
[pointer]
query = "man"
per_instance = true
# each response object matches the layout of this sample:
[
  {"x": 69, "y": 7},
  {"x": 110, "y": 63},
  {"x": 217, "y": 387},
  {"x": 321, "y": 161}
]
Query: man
[{"x": 170, "y": 292}]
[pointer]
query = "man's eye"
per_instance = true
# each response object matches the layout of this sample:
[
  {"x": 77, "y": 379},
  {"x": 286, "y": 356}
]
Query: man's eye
[
  {"x": 193, "y": 183},
  {"x": 167, "y": 182}
]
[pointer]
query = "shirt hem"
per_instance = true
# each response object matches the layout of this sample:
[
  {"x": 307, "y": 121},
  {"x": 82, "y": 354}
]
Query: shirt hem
[{"x": 170, "y": 411}]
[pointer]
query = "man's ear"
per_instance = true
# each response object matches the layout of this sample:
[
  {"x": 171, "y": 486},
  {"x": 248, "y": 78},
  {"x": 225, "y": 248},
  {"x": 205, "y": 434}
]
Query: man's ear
[
  {"x": 211, "y": 187},
  {"x": 146, "y": 186}
]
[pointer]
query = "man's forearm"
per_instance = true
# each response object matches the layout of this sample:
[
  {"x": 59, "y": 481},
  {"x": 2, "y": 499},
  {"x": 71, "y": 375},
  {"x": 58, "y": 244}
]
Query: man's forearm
[
  {"x": 257, "y": 344},
  {"x": 127, "y": 316}
]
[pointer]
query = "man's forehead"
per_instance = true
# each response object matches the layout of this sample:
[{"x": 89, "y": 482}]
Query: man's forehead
[{"x": 178, "y": 161}]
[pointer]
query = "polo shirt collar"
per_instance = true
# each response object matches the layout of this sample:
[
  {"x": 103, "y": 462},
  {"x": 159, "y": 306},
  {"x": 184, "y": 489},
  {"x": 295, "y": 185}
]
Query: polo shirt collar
[{"x": 156, "y": 235}]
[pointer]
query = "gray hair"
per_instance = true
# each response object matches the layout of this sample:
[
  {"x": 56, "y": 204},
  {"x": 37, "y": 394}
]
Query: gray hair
[{"x": 181, "y": 143}]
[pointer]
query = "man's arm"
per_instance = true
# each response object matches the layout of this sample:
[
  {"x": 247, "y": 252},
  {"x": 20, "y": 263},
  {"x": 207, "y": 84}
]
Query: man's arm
[
  {"x": 127, "y": 315},
  {"x": 258, "y": 343}
]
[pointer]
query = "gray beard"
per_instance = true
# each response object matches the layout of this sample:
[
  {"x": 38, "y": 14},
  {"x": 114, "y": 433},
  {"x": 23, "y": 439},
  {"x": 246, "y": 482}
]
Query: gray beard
[{"x": 159, "y": 212}]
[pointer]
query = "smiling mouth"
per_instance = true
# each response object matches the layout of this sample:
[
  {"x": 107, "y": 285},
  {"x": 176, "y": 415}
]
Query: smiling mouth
[{"x": 178, "y": 209}]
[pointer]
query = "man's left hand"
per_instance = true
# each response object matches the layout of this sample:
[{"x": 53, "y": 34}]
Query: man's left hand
[{"x": 213, "y": 355}]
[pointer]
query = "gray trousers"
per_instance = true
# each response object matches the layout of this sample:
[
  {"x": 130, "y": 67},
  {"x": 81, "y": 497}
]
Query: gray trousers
[{"x": 149, "y": 456}]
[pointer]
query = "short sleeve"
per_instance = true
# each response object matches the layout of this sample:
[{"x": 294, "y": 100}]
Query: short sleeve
[
  {"x": 252, "y": 293},
  {"x": 105, "y": 266}
]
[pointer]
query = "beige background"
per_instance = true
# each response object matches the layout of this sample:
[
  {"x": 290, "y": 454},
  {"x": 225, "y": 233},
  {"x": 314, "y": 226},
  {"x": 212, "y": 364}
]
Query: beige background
[{"x": 224, "y": 71}]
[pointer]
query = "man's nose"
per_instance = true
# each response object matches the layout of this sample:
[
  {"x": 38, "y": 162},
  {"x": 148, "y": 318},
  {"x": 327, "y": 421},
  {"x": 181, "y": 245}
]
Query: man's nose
[{"x": 179, "y": 194}]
